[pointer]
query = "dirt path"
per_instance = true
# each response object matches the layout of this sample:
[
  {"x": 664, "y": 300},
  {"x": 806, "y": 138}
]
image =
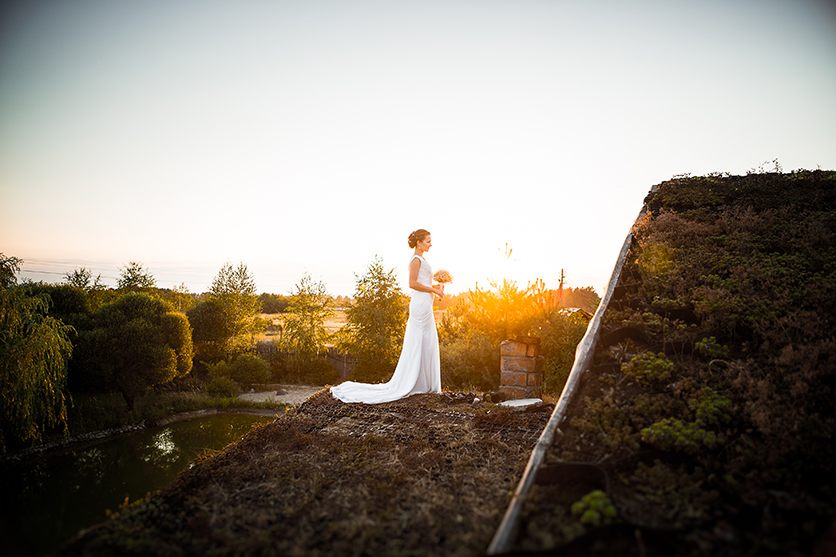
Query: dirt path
[{"x": 287, "y": 394}]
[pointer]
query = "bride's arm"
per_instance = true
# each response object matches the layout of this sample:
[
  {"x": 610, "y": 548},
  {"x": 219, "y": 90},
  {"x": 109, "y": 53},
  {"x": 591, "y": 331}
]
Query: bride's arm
[{"x": 414, "y": 267}]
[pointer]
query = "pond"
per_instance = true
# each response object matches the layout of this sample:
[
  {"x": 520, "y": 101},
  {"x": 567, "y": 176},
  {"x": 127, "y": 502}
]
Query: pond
[{"x": 49, "y": 498}]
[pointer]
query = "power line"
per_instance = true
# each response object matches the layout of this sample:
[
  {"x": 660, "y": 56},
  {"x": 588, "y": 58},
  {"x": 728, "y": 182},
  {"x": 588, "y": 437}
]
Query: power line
[
  {"x": 22, "y": 270},
  {"x": 69, "y": 263}
]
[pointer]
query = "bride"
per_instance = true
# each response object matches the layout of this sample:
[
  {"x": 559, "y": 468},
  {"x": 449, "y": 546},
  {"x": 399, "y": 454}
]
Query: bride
[{"x": 418, "y": 369}]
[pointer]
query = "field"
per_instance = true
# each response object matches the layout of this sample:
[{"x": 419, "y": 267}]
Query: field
[{"x": 332, "y": 324}]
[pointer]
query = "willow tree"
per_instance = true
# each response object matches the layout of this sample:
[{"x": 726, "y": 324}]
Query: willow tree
[{"x": 34, "y": 351}]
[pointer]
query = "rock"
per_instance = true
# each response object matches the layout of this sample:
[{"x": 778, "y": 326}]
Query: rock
[
  {"x": 521, "y": 403},
  {"x": 281, "y": 392}
]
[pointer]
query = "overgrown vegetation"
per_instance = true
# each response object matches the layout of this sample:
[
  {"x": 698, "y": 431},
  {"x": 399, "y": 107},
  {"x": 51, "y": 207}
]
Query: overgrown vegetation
[
  {"x": 709, "y": 404},
  {"x": 132, "y": 340},
  {"x": 34, "y": 350},
  {"x": 228, "y": 378},
  {"x": 472, "y": 330}
]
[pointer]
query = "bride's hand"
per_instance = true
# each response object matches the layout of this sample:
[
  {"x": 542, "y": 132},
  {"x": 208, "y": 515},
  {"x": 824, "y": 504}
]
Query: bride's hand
[{"x": 440, "y": 291}]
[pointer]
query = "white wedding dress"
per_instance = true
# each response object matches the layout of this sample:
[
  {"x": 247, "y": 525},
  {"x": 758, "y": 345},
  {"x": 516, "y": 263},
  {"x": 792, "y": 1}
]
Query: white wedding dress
[{"x": 418, "y": 369}]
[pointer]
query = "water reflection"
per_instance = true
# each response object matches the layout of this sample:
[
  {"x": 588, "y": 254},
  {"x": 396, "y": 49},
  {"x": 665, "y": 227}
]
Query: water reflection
[
  {"x": 164, "y": 443},
  {"x": 48, "y": 499}
]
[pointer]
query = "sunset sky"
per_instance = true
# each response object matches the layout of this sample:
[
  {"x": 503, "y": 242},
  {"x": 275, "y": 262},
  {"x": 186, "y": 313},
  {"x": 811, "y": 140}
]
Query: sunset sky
[{"x": 309, "y": 136}]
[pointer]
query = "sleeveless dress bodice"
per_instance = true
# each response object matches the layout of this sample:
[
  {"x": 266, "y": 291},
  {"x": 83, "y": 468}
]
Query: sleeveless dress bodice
[{"x": 425, "y": 273}]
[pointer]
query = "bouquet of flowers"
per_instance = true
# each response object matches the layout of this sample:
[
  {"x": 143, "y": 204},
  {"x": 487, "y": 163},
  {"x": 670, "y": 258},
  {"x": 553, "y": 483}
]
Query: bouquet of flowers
[{"x": 442, "y": 277}]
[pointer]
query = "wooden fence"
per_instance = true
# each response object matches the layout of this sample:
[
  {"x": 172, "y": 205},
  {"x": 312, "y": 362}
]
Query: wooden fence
[{"x": 343, "y": 362}]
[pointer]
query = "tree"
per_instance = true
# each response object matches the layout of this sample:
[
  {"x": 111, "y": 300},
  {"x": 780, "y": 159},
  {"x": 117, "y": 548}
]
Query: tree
[
  {"x": 9, "y": 267},
  {"x": 179, "y": 297},
  {"x": 211, "y": 331},
  {"x": 304, "y": 324},
  {"x": 272, "y": 303},
  {"x": 233, "y": 291},
  {"x": 68, "y": 303},
  {"x": 134, "y": 277},
  {"x": 83, "y": 278},
  {"x": 584, "y": 298},
  {"x": 139, "y": 341},
  {"x": 505, "y": 312},
  {"x": 342, "y": 301},
  {"x": 34, "y": 351},
  {"x": 375, "y": 324},
  {"x": 80, "y": 278}
]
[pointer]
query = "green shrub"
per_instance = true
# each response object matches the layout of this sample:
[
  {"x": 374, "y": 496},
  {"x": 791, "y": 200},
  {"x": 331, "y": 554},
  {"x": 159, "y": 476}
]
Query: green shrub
[
  {"x": 470, "y": 361},
  {"x": 560, "y": 333},
  {"x": 711, "y": 408},
  {"x": 708, "y": 347},
  {"x": 648, "y": 367},
  {"x": 218, "y": 369},
  {"x": 617, "y": 424},
  {"x": 222, "y": 387},
  {"x": 690, "y": 437},
  {"x": 244, "y": 370},
  {"x": 653, "y": 324},
  {"x": 675, "y": 435},
  {"x": 555, "y": 376},
  {"x": 369, "y": 371},
  {"x": 595, "y": 508},
  {"x": 248, "y": 369}
]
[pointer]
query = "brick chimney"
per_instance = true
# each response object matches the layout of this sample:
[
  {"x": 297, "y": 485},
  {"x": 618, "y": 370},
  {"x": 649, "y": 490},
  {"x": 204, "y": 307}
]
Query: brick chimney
[{"x": 521, "y": 368}]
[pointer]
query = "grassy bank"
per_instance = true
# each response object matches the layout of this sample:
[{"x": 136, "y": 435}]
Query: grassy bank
[{"x": 95, "y": 412}]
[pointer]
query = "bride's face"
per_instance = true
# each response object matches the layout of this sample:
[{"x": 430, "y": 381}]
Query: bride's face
[{"x": 426, "y": 243}]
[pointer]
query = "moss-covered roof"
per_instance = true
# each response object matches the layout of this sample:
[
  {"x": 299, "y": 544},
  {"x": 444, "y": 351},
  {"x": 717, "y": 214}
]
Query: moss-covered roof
[{"x": 707, "y": 418}]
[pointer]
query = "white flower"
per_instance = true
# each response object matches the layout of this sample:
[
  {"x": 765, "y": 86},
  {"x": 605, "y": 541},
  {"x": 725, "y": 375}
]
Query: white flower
[{"x": 442, "y": 276}]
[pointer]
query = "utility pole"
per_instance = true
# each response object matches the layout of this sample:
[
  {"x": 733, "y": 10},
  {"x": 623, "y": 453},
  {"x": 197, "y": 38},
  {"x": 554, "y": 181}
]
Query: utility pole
[{"x": 560, "y": 290}]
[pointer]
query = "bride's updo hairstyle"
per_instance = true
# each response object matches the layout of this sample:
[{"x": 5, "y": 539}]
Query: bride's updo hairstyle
[{"x": 417, "y": 236}]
